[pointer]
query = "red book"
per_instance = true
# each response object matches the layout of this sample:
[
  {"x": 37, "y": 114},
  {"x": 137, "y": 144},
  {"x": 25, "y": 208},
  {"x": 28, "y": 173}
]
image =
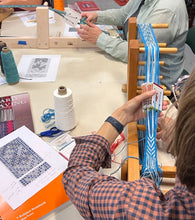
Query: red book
[{"x": 86, "y": 6}]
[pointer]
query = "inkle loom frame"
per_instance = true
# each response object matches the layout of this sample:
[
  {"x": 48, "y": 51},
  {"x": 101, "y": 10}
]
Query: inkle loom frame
[
  {"x": 42, "y": 39},
  {"x": 131, "y": 168}
]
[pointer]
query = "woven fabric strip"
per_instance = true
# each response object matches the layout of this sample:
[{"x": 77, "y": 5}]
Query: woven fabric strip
[{"x": 150, "y": 166}]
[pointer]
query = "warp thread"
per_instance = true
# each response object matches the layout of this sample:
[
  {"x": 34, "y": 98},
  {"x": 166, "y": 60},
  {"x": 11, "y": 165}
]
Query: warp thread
[
  {"x": 59, "y": 5},
  {"x": 9, "y": 66},
  {"x": 150, "y": 166},
  {"x": 2, "y": 44},
  {"x": 64, "y": 110}
]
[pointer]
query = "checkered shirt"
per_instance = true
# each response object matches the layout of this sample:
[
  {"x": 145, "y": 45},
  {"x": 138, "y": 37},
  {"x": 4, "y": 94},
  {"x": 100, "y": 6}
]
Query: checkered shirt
[{"x": 99, "y": 196}]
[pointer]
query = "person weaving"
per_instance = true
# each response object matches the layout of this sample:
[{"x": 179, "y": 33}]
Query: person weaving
[{"x": 99, "y": 196}]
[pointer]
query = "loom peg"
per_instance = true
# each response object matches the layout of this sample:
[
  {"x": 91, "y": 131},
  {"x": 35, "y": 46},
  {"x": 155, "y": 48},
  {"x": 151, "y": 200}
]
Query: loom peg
[
  {"x": 164, "y": 87},
  {"x": 143, "y": 77},
  {"x": 160, "y": 25},
  {"x": 143, "y": 128},
  {"x": 139, "y": 87},
  {"x": 161, "y": 50},
  {"x": 124, "y": 86},
  {"x": 139, "y": 91},
  {"x": 166, "y": 92},
  {"x": 159, "y": 44},
  {"x": 168, "y": 171},
  {"x": 142, "y": 63}
]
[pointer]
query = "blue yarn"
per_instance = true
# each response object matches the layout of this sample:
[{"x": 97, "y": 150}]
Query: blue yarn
[
  {"x": 9, "y": 66},
  {"x": 48, "y": 115},
  {"x": 150, "y": 166},
  {"x": 129, "y": 144},
  {"x": 122, "y": 164}
]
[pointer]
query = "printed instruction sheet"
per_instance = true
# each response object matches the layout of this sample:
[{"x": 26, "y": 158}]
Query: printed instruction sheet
[{"x": 27, "y": 164}]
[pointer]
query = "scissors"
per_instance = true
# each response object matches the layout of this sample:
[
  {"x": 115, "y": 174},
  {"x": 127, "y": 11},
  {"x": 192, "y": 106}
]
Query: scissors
[{"x": 52, "y": 132}]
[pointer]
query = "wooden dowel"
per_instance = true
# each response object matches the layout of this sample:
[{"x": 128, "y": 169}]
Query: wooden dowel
[
  {"x": 166, "y": 92},
  {"x": 164, "y": 87},
  {"x": 161, "y": 25},
  {"x": 139, "y": 87},
  {"x": 143, "y": 77},
  {"x": 161, "y": 50},
  {"x": 142, "y": 63},
  {"x": 124, "y": 89},
  {"x": 143, "y": 128},
  {"x": 159, "y": 44},
  {"x": 168, "y": 171}
]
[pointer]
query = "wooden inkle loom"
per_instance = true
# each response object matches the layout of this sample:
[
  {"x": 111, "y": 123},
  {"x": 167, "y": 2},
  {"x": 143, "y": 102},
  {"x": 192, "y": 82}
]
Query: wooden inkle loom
[
  {"x": 42, "y": 39},
  {"x": 131, "y": 169}
]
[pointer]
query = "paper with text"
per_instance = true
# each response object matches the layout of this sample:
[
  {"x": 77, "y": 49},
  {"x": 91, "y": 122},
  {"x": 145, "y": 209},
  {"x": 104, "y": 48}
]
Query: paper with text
[{"x": 27, "y": 164}]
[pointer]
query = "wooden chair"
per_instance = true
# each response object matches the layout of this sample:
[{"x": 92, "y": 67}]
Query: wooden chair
[{"x": 131, "y": 169}]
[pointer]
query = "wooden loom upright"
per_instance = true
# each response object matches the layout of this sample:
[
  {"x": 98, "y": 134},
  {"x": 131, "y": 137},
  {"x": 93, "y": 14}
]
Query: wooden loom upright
[{"x": 131, "y": 169}]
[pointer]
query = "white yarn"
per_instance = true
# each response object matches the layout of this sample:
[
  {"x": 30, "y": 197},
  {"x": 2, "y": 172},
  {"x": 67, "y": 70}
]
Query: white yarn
[{"x": 64, "y": 110}]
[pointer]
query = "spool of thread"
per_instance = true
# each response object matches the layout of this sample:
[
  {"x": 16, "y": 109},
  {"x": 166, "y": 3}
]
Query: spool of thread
[
  {"x": 59, "y": 5},
  {"x": 9, "y": 66},
  {"x": 2, "y": 44},
  {"x": 64, "y": 110}
]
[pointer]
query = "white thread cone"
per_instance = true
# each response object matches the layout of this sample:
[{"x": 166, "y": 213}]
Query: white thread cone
[{"x": 64, "y": 110}]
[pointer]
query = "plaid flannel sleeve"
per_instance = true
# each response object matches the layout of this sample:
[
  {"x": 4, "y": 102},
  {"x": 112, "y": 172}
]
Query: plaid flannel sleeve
[{"x": 96, "y": 196}]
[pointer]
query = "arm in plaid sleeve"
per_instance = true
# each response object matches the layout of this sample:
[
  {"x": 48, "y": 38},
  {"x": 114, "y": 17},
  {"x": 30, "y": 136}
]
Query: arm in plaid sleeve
[{"x": 98, "y": 196}]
